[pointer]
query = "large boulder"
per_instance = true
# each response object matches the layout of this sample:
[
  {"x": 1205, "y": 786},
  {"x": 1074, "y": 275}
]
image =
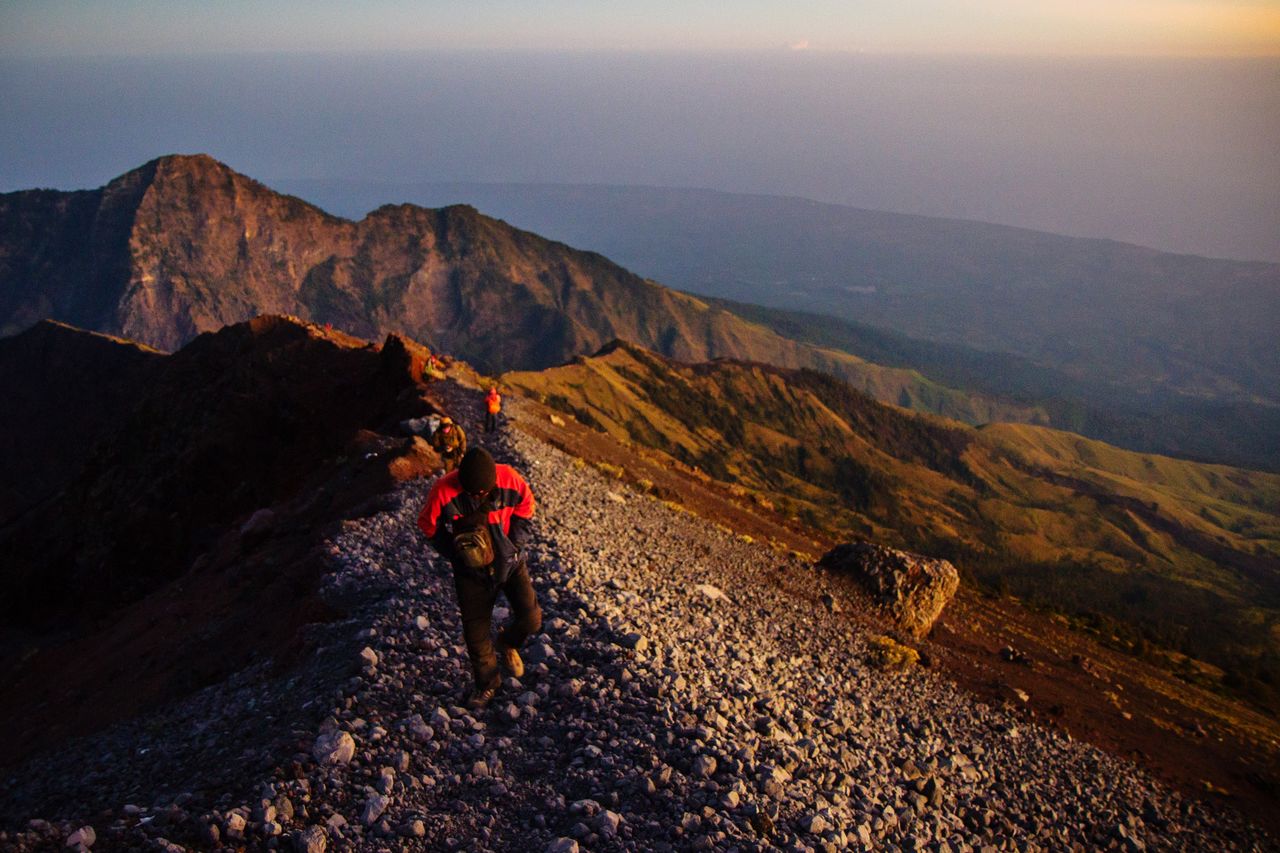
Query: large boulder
[{"x": 911, "y": 588}]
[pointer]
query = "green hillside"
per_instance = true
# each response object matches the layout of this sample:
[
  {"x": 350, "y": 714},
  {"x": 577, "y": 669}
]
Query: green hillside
[
  {"x": 1236, "y": 432},
  {"x": 1166, "y": 557}
]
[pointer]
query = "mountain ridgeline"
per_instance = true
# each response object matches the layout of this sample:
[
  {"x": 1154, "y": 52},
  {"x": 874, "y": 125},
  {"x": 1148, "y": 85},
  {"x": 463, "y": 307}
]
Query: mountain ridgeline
[
  {"x": 1154, "y": 420},
  {"x": 1153, "y": 351},
  {"x": 185, "y": 245},
  {"x": 1098, "y": 310}
]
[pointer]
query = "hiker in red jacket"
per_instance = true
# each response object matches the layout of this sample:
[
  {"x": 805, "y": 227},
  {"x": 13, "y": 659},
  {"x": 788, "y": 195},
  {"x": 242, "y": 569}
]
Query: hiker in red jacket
[
  {"x": 477, "y": 516},
  {"x": 493, "y": 405}
]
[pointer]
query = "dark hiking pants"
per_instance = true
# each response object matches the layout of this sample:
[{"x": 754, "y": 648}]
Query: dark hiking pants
[
  {"x": 490, "y": 421},
  {"x": 476, "y": 599}
]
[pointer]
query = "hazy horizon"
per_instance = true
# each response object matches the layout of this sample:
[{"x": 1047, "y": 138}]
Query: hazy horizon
[{"x": 1176, "y": 154}]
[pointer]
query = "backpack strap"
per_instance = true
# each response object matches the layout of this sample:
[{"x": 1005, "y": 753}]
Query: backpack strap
[{"x": 475, "y": 518}]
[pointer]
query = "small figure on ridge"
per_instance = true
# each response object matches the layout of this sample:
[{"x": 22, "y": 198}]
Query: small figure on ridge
[{"x": 493, "y": 404}]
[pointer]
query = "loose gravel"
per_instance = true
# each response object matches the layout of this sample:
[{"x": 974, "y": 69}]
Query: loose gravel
[{"x": 676, "y": 699}]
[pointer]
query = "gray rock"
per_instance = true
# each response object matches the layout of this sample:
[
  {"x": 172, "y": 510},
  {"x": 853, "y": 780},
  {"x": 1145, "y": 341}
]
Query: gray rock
[
  {"x": 814, "y": 824},
  {"x": 334, "y": 748},
  {"x": 368, "y": 657},
  {"x": 373, "y": 809},
  {"x": 913, "y": 589},
  {"x": 419, "y": 729},
  {"x": 704, "y": 766},
  {"x": 562, "y": 845},
  {"x": 538, "y": 652},
  {"x": 82, "y": 837},
  {"x": 235, "y": 825},
  {"x": 609, "y": 823},
  {"x": 313, "y": 839},
  {"x": 635, "y": 641},
  {"x": 259, "y": 524}
]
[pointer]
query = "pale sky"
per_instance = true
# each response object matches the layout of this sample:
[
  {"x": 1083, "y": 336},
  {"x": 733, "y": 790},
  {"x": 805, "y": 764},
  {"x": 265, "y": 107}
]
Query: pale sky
[{"x": 1055, "y": 27}]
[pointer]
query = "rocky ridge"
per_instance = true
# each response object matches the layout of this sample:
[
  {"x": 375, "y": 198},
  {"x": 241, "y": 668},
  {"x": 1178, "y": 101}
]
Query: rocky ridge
[
  {"x": 675, "y": 700},
  {"x": 185, "y": 245}
]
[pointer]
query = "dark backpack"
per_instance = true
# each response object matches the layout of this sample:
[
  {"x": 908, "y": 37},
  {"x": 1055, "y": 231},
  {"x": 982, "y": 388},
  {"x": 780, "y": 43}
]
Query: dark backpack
[{"x": 472, "y": 542}]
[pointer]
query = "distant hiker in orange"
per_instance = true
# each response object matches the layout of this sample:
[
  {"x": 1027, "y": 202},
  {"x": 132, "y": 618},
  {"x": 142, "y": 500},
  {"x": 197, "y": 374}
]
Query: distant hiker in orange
[
  {"x": 478, "y": 517},
  {"x": 450, "y": 442},
  {"x": 493, "y": 402}
]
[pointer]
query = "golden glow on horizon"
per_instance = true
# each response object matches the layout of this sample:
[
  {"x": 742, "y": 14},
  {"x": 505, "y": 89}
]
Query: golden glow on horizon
[
  {"x": 1198, "y": 28},
  {"x": 1001, "y": 27}
]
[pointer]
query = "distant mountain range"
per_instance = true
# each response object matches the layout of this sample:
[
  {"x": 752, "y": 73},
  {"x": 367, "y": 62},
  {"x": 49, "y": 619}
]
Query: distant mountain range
[
  {"x": 185, "y": 245},
  {"x": 1095, "y": 309}
]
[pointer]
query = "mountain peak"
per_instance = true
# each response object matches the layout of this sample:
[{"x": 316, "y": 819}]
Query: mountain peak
[{"x": 190, "y": 164}]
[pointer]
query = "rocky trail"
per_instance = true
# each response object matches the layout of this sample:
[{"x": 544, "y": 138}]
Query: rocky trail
[{"x": 678, "y": 698}]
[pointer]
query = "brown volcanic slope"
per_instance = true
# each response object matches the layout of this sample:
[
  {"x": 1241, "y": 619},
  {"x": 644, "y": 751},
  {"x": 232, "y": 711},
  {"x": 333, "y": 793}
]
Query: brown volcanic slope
[
  {"x": 46, "y": 437},
  {"x": 233, "y": 422},
  {"x": 185, "y": 245},
  {"x": 136, "y": 581}
]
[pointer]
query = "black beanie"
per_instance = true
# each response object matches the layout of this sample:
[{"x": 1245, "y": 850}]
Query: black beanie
[{"x": 476, "y": 472}]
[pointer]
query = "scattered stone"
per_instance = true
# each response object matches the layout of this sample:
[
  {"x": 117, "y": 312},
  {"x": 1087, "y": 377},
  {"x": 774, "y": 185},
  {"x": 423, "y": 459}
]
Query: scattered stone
[
  {"x": 313, "y": 839},
  {"x": 608, "y": 823},
  {"x": 538, "y": 652},
  {"x": 635, "y": 641},
  {"x": 783, "y": 739},
  {"x": 82, "y": 837},
  {"x": 913, "y": 589},
  {"x": 235, "y": 825},
  {"x": 712, "y": 592},
  {"x": 562, "y": 845},
  {"x": 374, "y": 806},
  {"x": 814, "y": 824},
  {"x": 386, "y": 780},
  {"x": 337, "y": 747},
  {"x": 419, "y": 729}
]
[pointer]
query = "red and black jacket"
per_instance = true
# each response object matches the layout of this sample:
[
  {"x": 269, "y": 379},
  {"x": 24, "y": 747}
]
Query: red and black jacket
[{"x": 510, "y": 509}]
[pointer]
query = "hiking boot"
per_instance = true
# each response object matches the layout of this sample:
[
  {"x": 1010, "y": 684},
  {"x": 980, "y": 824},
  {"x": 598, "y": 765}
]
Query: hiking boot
[
  {"x": 480, "y": 697},
  {"x": 510, "y": 660}
]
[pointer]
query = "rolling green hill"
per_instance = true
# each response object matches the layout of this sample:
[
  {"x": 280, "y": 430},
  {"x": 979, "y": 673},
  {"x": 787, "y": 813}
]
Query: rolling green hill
[
  {"x": 1150, "y": 549},
  {"x": 1242, "y": 433}
]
